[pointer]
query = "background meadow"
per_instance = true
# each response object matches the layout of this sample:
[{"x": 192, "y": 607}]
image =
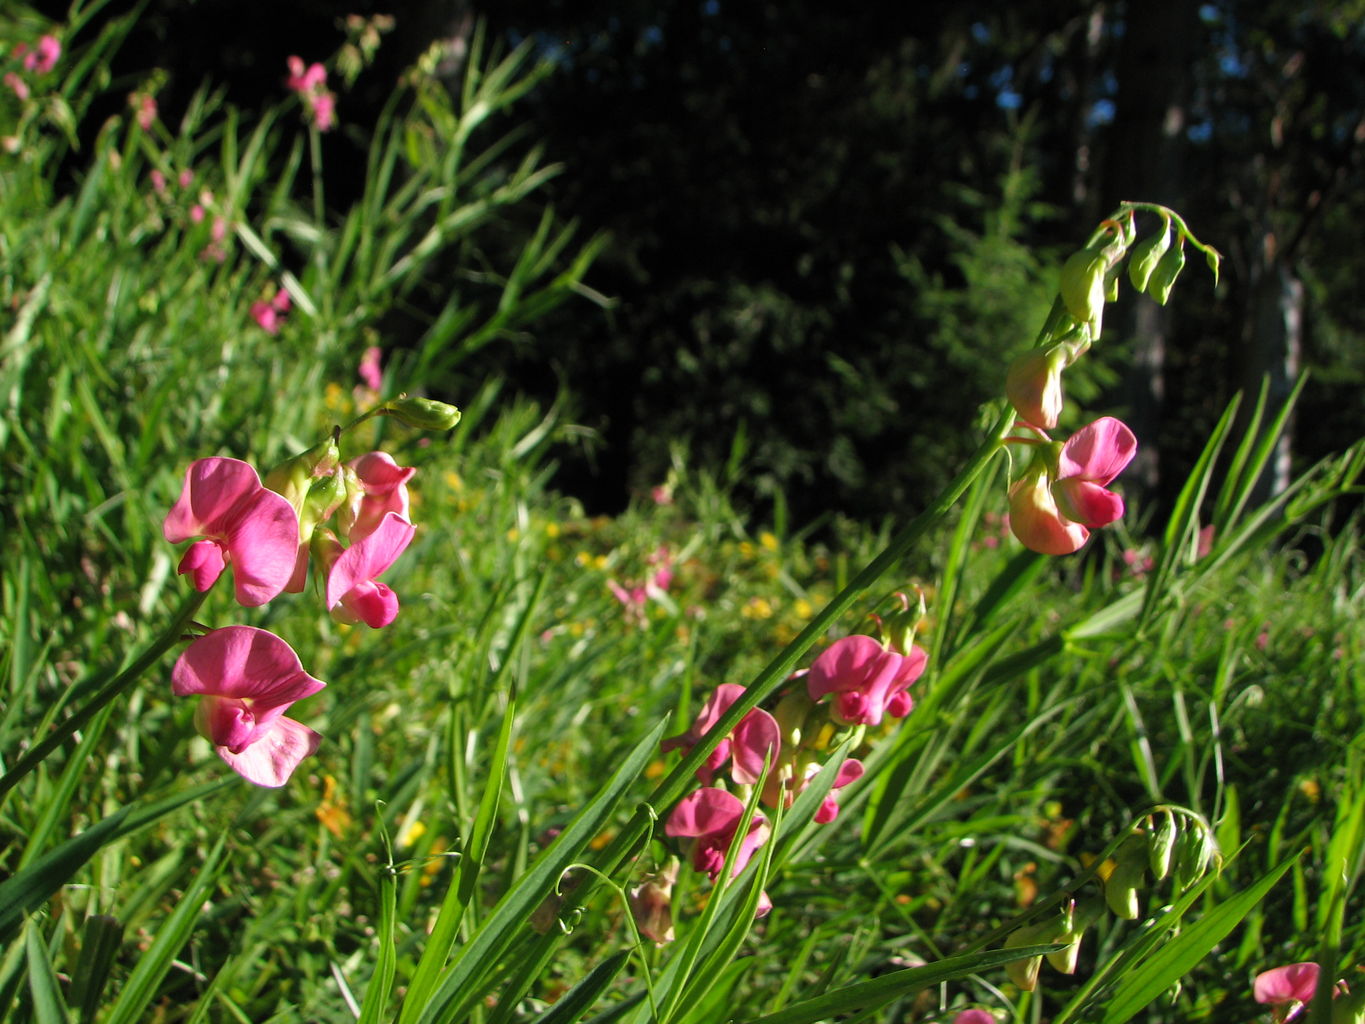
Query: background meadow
[{"x": 498, "y": 743}]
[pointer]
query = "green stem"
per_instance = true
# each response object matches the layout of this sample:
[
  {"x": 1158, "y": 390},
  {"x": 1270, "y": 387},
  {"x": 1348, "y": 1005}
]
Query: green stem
[{"x": 65, "y": 729}]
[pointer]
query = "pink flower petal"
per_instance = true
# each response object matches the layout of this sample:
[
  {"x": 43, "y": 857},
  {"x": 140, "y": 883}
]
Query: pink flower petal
[
  {"x": 272, "y": 758},
  {"x": 243, "y": 662},
  {"x": 1036, "y": 521},
  {"x": 842, "y": 664},
  {"x": 213, "y": 487},
  {"x": 756, "y": 745},
  {"x": 704, "y": 812},
  {"x": 372, "y": 603},
  {"x": 363, "y": 561},
  {"x": 1086, "y": 503},
  {"x": 1288, "y": 984},
  {"x": 263, "y": 542},
  {"x": 204, "y": 560},
  {"x": 1098, "y": 452}
]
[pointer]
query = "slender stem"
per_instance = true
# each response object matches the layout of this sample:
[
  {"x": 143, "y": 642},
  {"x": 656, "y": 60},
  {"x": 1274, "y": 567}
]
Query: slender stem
[{"x": 66, "y": 728}]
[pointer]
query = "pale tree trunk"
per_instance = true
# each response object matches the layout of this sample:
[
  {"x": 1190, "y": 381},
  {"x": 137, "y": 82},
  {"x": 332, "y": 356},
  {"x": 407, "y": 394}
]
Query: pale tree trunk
[{"x": 1272, "y": 349}]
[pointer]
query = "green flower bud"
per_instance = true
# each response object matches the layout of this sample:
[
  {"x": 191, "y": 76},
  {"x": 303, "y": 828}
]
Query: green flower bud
[
  {"x": 423, "y": 413},
  {"x": 1120, "y": 888},
  {"x": 294, "y": 477},
  {"x": 1082, "y": 284},
  {"x": 1195, "y": 850},
  {"x": 1167, "y": 270},
  {"x": 1161, "y": 846},
  {"x": 1145, "y": 256}
]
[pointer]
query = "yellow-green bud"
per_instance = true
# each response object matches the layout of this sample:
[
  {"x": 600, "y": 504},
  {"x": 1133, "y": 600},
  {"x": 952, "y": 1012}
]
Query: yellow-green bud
[
  {"x": 293, "y": 478},
  {"x": 1145, "y": 256},
  {"x": 423, "y": 413},
  {"x": 1166, "y": 271},
  {"x": 1120, "y": 888},
  {"x": 1161, "y": 846},
  {"x": 1082, "y": 284}
]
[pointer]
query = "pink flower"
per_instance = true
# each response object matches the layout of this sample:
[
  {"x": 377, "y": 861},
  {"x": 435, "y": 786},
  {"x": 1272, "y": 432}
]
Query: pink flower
[
  {"x": 17, "y": 85},
  {"x": 353, "y": 592},
  {"x": 975, "y": 1016},
  {"x": 869, "y": 680},
  {"x": 651, "y": 903},
  {"x": 270, "y": 315},
  {"x": 158, "y": 182},
  {"x": 383, "y": 488},
  {"x": 44, "y": 58},
  {"x": 850, "y": 771},
  {"x": 1284, "y": 987},
  {"x": 304, "y": 80},
  {"x": 311, "y": 84},
  {"x": 754, "y": 741},
  {"x": 145, "y": 105},
  {"x": 242, "y": 522},
  {"x": 370, "y": 373},
  {"x": 710, "y": 817},
  {"x": 1034, "y": 386},
  {"x": 247, "y": 679},
  {"x": 1054, "y": 512}
]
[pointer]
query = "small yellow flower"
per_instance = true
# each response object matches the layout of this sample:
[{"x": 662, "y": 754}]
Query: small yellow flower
[
  {"x": 768, "y": 540},
  {"x": 552, "y": 530},
  {"x": 802, "y": 608}
]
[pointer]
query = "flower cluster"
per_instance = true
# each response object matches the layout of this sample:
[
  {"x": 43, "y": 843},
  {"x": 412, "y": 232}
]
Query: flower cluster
[
  {"x": 32, "y": 61},
  {"x": 778, "y": 754},
  {"x": 1062, "y": 493},
  {"x": 348, "y": 520},
  {"x": 310, "y": 82},
  {"x": 269, "y": 316}
]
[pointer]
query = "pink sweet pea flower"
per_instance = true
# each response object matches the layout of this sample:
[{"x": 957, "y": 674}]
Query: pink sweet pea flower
[
  {"x": 17, "y": 85},
  {"x": 44, "y": 58},
  {"x": 370, "y": 373},
  {"x": 353, "y": 592},
  {"x": 270, "y": 315},
  {"x": 1054, "y": 515},
  {"x": 247, "y": 678},
  {"x": 850, "y": 771},
  {"x": 710, "y": 817},
  {"x": 242, "y": 522},
  {"x": 382, "y": 488},
  {"x": 975, "y": 1016},
  {"x": 868, "y": 679},
  {"x": 756, "y": 740},
  {"x": 1282, "y": 987}
]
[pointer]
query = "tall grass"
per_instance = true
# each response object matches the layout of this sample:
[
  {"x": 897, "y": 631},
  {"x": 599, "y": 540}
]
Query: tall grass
[{"x": 490, "y": 786}]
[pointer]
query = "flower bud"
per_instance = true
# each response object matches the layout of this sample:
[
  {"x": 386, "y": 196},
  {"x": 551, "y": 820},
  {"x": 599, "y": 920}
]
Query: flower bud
[
  {"x": 1082, "y": 284},
  {"x": 1034, "y": 386},
  {"x": 1161, "y": 846},
  {"x": 423, "y": 413},
  {"x": 651, "y": 903},
  {"x": 1164, "y": 274},
  {"x": 899, "y": 627},
  {"x": 1195, "y": 850},
  {"x": 294, "y": 477},
  {"x": 1024, "y": 973},
  {"x": 1120, "y": 888},
  {"x": 1145, "y": 256}
]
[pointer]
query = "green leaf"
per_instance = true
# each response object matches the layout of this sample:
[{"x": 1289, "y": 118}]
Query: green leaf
[
  {"x": 1144, "y": 984},
  {"x": 877, "y": 992},
  {"x": 140, "y": 991},
  {"x": 48, "y": 1007},
  {"x": 463, "y": 982},
  {"x": 579, "y": 999}
]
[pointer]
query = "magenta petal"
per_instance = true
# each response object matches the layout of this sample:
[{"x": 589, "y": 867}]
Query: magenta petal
[
  {"x": 1087, "y": 503},
  {"x": 369, "y": 558},
  {"x": 843, "y": 665},
  {"x": 1035, "y": 520},
  {"x": 1288, "y": 984},
  {"x": 213, "y": 487},
  {"x": 850, "y": 771},
  {"x": 1098, "y": 451},
  {"x": 716, "y": 705},
  {"x": 756, "y": 745},
  {"x": 272, "y": 758},
  {"x": 243, "y": 662},
  {"x": 263, "y": 540},
  {"x": 371, "y": 603},
  {"x": 204, "y": 562},
  {"x": 704, "y": 812}
]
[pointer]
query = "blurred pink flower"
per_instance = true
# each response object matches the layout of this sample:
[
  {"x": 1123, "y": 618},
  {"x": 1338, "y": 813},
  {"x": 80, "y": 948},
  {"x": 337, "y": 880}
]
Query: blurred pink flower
[
  {"x": 17, "y": 85},
  {"x": 354, "y": 593},
  {"x": 270, "y": 315},
  {"x": 975, "y": 1016},
  {"x": 753, "y": 741},
  {"x": 310, "y": 82},
  {"x": 243, "y": 523},
  {"x": 144, "y": 107},
  {"x": 710, "y": 817},
  {"x": 868, "y": 680},
  {"x": 1054, "y": 515},
  {"x": 370, "y": 373},
  {"x": 247, "y": 678},
  {"x": 43, "y": 58},
  {"x": 850, "y": 771}
]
